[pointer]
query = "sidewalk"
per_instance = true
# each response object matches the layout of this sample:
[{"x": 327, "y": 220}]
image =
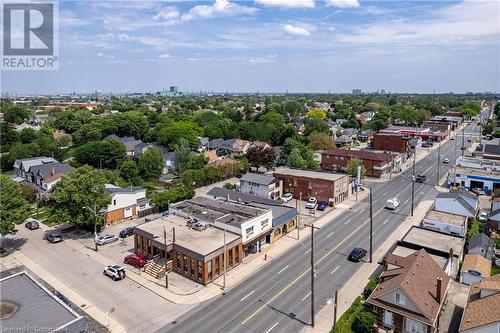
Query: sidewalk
[{"x": 347, "y": 294}]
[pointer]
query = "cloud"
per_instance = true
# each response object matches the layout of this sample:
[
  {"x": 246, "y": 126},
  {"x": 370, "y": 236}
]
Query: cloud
[
  {"x": 219, "y": 9},
  {"x": 270, "y": 59},
  {"x": 287, "y": 3},
  {"x": 343, "y": 3},
  {"x": 296, "y": 30},
  {"x": 164, "y": 56},
  {"x": 167, "y": 13}
]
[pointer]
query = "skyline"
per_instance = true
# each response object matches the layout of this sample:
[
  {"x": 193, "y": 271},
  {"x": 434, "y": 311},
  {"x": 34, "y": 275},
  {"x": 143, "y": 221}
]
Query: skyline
[{"x": 302, "y": 46}]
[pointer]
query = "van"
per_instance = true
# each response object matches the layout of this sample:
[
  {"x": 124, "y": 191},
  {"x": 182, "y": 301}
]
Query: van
[{"x": 392, "y": 203}]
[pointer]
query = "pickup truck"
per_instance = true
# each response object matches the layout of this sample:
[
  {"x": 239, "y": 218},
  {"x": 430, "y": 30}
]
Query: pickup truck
[{"x": 420, "y": 178}]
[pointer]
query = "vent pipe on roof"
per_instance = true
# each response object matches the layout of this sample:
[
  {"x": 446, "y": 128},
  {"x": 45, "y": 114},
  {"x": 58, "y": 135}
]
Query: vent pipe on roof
[
  {"x": 227, "y": 197},
  {"x": 439, "y": 285},
  {"x": 385, "y": 264}
]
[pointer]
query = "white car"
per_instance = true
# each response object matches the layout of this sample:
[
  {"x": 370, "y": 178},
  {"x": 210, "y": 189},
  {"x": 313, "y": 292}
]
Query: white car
[
  {"x": 446, "y": 161},
  {"x": 392, "y": 203},
  {"x": 115, "y": 272},
  {"x": 105, "y": 239},
  {"x": 311, "y": 203},
  {"x": 483, "y": 217},
  {"x": 287, "y": 197}
]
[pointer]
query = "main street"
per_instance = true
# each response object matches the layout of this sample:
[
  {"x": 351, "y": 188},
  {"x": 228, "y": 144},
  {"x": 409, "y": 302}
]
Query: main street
[{"x": 277, "y": 297}]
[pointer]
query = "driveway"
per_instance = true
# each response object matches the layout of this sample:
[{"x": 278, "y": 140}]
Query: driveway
[{"x": 136, "y": 308}]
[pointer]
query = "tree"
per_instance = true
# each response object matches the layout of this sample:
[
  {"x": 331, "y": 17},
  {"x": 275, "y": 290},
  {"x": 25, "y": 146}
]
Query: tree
[
  {"x": 316, "y": 113},
  {"x": 261, "y": 156},
  {"x": 130, "y": 171},
  {"x": 320, "y": 141},
  {"x": 169, "y": 135},
  {"x": 14, "y": 114},
  {"x": 80, "y": 188},
  {"x": 295, "y": 159},
  {"x": 27, "y": 135},
  {"x": 470, "y": 110},
  {"x": 14, "y": 209},
  {"x": 179, "y": 193},
  {"x": 106, "y": 154},
  {"x": 352, "y": 167},
  {"x": 182, "y": 155},
  {"x": 197, "y": 162},
  {"x": 315, "y": 125},
  {"x": 151, "y": 163}
]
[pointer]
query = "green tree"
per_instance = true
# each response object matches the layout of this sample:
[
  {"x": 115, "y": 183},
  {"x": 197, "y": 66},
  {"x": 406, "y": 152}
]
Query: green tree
[
  {"x": 352, "y": 168},
  {"x": 316, "y": 113},
  {"x": 81, "y": 187},
  {"x": 470, "y": 110},
  {"x": 295, "y": 159},
  {"x": 27, "y": 135},
  {"x": 14, "y": 114},
  {"x": 151, "y": 163},
  {"x": 197, "y": 162},
  {"x": 320, "y": 141},
  {"x": 14, "y": 209},
  {"x": 130, "y": 171},
  {"x": 106, "y": 154},
  {"x": 179, "y": 193},
  {"x": 182, "y": 155},
  {"x": 169, "y": 135},
  {"x": 314, "y": 124}
]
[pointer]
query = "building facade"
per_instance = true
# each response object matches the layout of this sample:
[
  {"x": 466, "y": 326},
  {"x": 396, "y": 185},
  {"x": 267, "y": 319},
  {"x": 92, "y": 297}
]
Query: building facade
[
  {"x": 376, "y": 164},
  {"x": 265, "y": 186},
  {"x": 394, "y": 143}
]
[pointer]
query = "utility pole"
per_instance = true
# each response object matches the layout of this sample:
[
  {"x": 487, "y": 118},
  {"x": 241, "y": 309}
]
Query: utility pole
[
  {"x": 95, "y": 227},
  {"x": 371, "y": 225},
  {"x": 463, "y": 141},
  {"x": 439, "y": 156},
  {"x": 413, "y": 180},
  {"x": 225, "y": 250},
  {"x": 298, "y": 216},
  {"x": 313, "y": 271},
  {"x": 335, "y": 302}
]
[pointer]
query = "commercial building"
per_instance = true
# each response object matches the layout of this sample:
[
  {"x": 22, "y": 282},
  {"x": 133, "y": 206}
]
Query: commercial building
[
  {"x": 445, "y": 222},
  {"x": 376, "y": 164},
  {"x": 28, "y": 306},
  {"x": 126, "y": 203},
  {"x": 390, "y": 142},
  {"x": 425, "y": 133},
  {"x": 332, "y": 188},
  {"x": 261, "y": 185},
  {"x": 486, "y": 179}
]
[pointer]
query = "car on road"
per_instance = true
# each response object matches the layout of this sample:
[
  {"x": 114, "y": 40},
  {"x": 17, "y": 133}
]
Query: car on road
[
  {"x": 392, "y": 203},
  {"x": 446, "y": 161},
  {"x": 287, "y": 197},
  {"x": 483, "y": 217},
  {"x": 452, "y": 138},
  {"x": 420, "y": 178},
  {"x": 311, "y": 203},
  {"x": 468, "y": 140},
  {"x": 357, "y": 254},
  {"x": 31, "y": 224},
  {"x": 128, "y": 231},
  {"x": 105, "y": 239},
  {"x": 322, "y": 205},
  {"x": 53, "y": 236},
  {"x": 115, "y": 272},
  {"x": 478, "y": 191},
  {"x": 425, "y": 145},
  {"x": 136, "y": 260}
]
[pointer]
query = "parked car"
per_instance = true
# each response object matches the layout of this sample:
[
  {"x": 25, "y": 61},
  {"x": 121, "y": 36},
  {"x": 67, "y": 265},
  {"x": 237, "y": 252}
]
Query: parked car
[
  {"x": 137, "y": 260},
  {"x": 425, "y": 145},
  {"x": 478, "y": 191},
  {"x": 446, "y": 161},
  {"x": 287, "y": 197},
  {"x": 115, "y": 272},
  {"x": 392, "y": 203},
  {"x": 420, "y": 178},
  {"x": 322, "y": 205},
  {"x": 483, "y": 217},
  {"x": 311, "y": 203},
  {"x": 357, "y": 254},
  {"x": 31, "y": 224},
  {"x": 452, "y": 138},
  {"x": 128, "y": 231},
  {"x": 105, "y": 239},
  {"x": 53, "y": 236}
]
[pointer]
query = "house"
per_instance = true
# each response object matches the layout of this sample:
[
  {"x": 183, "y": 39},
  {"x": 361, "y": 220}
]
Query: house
[
  {"x": 206, "y": 144},
  {"x": 482, "y": 311},
  {"x": 475, "y": 268},
  {"x": 445, "y": 222},
  {"x": 494, "y": 216},
  {"x": 394, "y": 143},
  {"x": 233, "y": 147},
  {"x": 482, "y": 245},
  {"x": 376, "y": 164},
  {"x": 261, "y": 185},
  {"x": 126, "y": 203},
  {"x": 343, "y": 141},
  {"x": 410, "y": 295},
  {"x": 458, "y": 202}
]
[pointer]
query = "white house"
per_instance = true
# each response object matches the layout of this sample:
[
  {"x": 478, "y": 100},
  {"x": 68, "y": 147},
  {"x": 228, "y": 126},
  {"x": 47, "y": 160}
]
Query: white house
[
  {"x": 261, "y": 185},
  {"x": 475, "y": 268},
  {"x": 126, "y": 203},
  {"x": 445, "y": 222},
  {"x": 459, "y": 202}
]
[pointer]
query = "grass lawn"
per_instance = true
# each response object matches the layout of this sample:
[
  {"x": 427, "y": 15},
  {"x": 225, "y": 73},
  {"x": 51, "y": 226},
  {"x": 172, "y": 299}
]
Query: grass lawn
[{"x": 495, "y": 270}]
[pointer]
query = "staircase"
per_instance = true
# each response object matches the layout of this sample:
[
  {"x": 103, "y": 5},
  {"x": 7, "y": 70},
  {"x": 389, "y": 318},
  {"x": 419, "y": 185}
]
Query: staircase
[{"x": 156, "y": 267}]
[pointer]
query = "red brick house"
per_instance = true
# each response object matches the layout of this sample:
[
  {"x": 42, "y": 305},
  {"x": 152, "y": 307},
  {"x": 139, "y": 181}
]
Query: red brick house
[
  {"x": 394, "y": 143},
  {"x": 376, "y": 164},
  {"x": 410, "y": 295}
]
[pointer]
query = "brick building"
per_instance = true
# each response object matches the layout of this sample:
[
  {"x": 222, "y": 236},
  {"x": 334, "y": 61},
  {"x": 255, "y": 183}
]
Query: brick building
[
  {"x": 329, "y": 187},
  {"x": 394, "y": 143},
  {"x": 376, "y": 164}
]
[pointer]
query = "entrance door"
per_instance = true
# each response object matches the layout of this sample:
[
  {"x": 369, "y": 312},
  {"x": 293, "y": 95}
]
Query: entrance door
[
  {"x": 388, "y": 318},
  {"x": 127, "y": 212}
]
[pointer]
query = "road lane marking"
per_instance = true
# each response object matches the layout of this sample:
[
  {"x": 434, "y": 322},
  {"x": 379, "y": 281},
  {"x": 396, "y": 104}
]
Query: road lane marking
[
  {"x": 269, "y": 330},
  {"x": 306, "y": 296},
  {"x": 384, "y": 194},
  {"x": 386, "y": 221},
  {"x": 284, "y": 268},
  {"x": 347, "y": 221},
  {"x": 241, "y": 300},
  {"x": 335, "y": 269},
  {"x": 308, "y": 251},
  {"x": 331, "y": 233},
  {"x": 404, "y": 203}
]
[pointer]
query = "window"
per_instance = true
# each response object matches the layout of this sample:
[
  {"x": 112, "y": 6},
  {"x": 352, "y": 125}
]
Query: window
[
  {"x": 200, "y": 271},
  {"x": 209, "y": 270},
  {"x": 249, "y": 231},
  {"x": 295, "y": 182},
  {"x": 230, "y": 258},
  {"x": 186, "y": 263},
  {"x": 216, "y": 262},
  {"x": 114, "y": 202},
  {"x": 264, "y": 223},
  {"x": 399, "y": 298},
  {"x": 277, "y": 232},
  {"x": 237, "y": 254},
  {"x": 179, "y": 261},
  {"x": 193, "y": 268}
]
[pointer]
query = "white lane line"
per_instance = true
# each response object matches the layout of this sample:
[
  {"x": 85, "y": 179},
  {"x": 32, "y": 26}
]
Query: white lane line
[
  {"x": 402, "y": 180},
  {"x": 347, "y": 221},
  {"x": 241, "y": 300},
  {"x": 269, "y": 330},
  {"x": 373, "y": 233},
  {"x": 308, "y": 251},
  {"x": 335, "y": 269},
  {"x": 306, "y": 296},
  {"x": 328, "y": 236},
  {"x": 284, "y": 268},
  {"x": 386, "y": 221},
  {"x": 404, "y": 203},
  {"x": 384, "y": 194}
]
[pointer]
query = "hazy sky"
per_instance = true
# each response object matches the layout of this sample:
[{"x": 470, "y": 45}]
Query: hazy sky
[{"x": 272, "y": 46}]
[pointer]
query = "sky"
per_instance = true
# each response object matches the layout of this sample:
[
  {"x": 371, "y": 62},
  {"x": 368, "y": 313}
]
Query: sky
[{"x": 271, "y": 46}]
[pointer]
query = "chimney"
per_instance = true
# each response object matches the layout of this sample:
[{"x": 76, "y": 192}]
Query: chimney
[
  {"x": 439, "y": 285},
  {"x": 451, "y": 253},
  {"x": 53, "y": 172},
  {"x": 227, "y": 197},
  {"x": 239, "y": 200},
  {"x": 385, "y": 264}
]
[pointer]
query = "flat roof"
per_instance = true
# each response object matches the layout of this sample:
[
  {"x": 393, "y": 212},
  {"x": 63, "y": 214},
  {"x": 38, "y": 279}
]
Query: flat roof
[
  {"x": 404, "y": 251},
  {"x": 33, "y": 305},
  {"x": 202, "y": 242},
  {"x": 309, "y": 174},
  {"x": 434, "y": 240},
  {"x": 477, "y": 172},
  {"x": 445, "y": 217}
]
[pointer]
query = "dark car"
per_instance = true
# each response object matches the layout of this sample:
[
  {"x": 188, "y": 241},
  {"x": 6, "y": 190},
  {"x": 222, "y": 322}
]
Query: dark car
[
  {"x": 31, "y": 224},
  {"x": 420, "y": 178},
  {"x": 137, "y": 260},
  {"x": 53, "y": 237},
  {"x": 357, "y": 254},
  {"x": 128, "y": 231},
  {"x": 322, "y": 205}
]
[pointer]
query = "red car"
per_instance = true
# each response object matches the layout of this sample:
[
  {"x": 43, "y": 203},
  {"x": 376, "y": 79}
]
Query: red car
[{"x": 137, "y": 260}]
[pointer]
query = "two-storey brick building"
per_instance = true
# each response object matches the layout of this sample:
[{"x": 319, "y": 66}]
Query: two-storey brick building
[
  {"x": 375, "y": 163},
  {"x": 395, "y": 143}
]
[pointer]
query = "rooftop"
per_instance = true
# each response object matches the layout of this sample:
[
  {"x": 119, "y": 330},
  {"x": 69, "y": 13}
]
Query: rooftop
[
  {"x": 363, "y": 154},
  {"x": 445, "y": 217},
  {"x": 257, "y": 178},
  {"x": 433, "y": 241},
  {"x": 309, "y": 174},
  {"x": 477, "y": 263},
  {"x": 477, "y": 172},
  {"x": 403, "y": 251}
]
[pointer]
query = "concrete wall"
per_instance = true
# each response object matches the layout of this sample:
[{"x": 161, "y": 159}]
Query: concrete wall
[{"x": 451, "y": 229}]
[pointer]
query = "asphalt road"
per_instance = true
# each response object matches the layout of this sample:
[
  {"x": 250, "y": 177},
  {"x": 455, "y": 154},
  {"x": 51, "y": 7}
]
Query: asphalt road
[{"x": 277, "y": 299}]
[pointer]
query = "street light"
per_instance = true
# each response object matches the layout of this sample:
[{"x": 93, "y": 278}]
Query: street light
[{"x": 94, "y": 211}]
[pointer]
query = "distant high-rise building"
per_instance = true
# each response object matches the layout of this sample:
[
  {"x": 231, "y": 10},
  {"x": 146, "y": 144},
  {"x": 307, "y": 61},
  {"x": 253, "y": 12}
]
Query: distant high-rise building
[
  {"x": 357, "y": 92},
  {"x": 174, "y": 89},
  {"x": 382, "y": 91}
]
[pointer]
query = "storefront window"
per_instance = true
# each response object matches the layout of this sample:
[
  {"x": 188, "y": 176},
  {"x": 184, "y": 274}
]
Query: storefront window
[
  {"x": 230, "y": 261},
  {"x": 237, "y": 254},
  {"x": 217, "y": 262},
  {"x": 186, "y": 263},
  {"x": 200, "y": 271},
  {"x": 277, "y": 232},
  {"x": 209, "y": 270},
  {"x": 193, "y": 268},
  {"x": 179, "y": 261}
]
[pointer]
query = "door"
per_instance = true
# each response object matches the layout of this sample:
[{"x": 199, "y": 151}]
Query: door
[
  {"x": 127, "y": 212},
  {"x": 388, "y": 318}
]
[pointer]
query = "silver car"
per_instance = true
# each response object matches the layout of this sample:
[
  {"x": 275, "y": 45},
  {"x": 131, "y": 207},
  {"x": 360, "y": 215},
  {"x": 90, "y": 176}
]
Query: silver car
[{"x": 105, "y": 239}]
